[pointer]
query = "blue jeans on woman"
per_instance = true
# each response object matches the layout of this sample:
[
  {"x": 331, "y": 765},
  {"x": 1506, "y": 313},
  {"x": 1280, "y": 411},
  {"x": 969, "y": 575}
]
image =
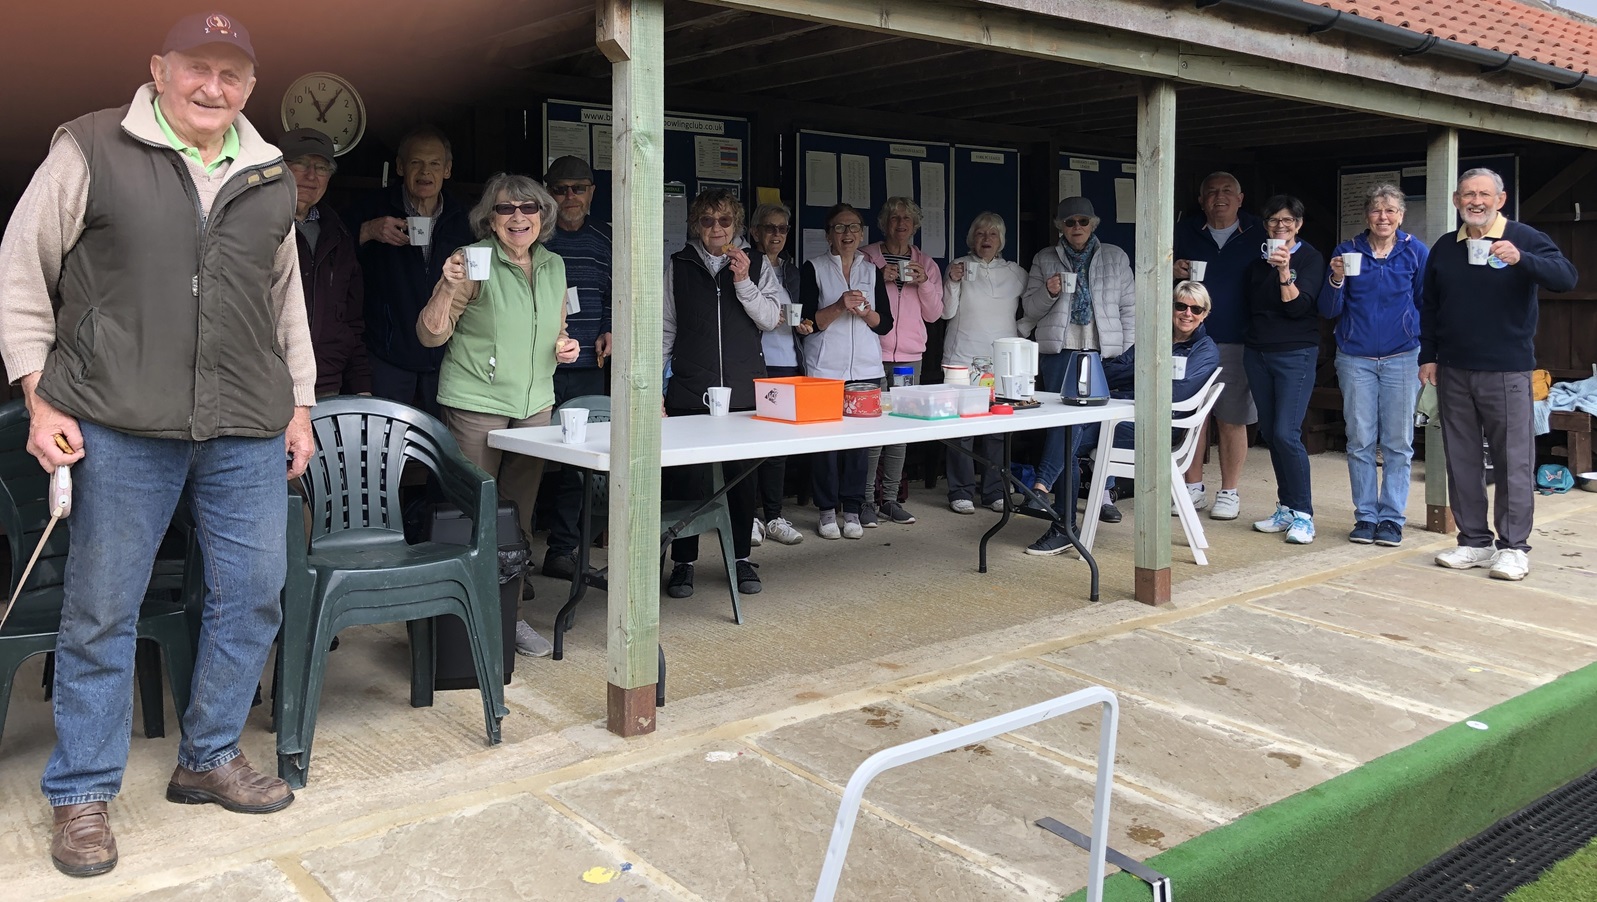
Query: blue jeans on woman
[
  {"x": 1378, "y": 396},
  {"x": 1052, "y": 463},
  {"x": 127, "y": 488},
  {"x": 1282, "y": 382}
]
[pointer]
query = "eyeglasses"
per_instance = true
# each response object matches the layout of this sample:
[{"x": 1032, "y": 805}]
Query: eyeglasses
[
  {"x": 774, "y": 229},
  {"x": 322, "y": 169},
  {"x": 707, "y": 222},
  {"x": 1281, "y": 222},
  {"x": 1194, "y": 309},
  {"x": 1077, "y": 222},
  {"x": 847, "y": 228},
  {"x": 528, "y": 208},
  {"x": 563, "y": 190}
]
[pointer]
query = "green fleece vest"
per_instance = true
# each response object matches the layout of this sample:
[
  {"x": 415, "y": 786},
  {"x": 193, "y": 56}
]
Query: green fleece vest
[{"x": 501, "y": 358}]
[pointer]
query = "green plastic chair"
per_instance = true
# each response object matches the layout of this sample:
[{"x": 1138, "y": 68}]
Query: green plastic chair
[
  {"x": 33, "y": 624},
  {"x": 357, "y": 568}
]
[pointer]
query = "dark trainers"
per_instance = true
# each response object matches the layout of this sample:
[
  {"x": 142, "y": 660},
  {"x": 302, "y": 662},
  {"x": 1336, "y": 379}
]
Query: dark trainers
[
  {"x": 235, "y": 786},
  {"x": 1363, "y": 533},
  {"x": 1109, "y": 513},
  {"x": 1052, "y": 542},
  {"x": 680, "y": 585},
  {"x": 560, "y": 565},
  {"x": 748, "y": 580},
  {"x": 1388, "y": 534},
  {"x": 895, "y": 512},
  {"x": 867, "y": 516},
  {"x": 81, "y": 844}
]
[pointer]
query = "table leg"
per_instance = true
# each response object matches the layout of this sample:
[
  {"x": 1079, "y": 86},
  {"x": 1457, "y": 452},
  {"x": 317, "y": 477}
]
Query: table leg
[{"x": 579, "y": 579}]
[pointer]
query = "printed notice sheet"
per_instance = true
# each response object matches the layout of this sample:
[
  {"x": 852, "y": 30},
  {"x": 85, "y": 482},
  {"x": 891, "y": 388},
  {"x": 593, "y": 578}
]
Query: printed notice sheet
[{"x": 820, "y": 179}]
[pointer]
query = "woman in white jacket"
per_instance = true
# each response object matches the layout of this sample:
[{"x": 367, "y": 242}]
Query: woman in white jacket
[
  {"x": 1100, "y": 315},
  {"x": 981, "y": 298}
]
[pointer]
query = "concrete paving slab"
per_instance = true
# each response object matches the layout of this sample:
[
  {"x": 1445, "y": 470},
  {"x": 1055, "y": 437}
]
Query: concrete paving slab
[
  {"x": 1484, "y": 642},
  {"x": 743, "y": 828},
  {"x": 1262, "y": 697},
  {"x": 985, "y": 796},
  {"x": 520, "y": 848},
  {"x": 1182, "y": 757},
  {"x": 261, "y": 882},
  {"x": 1580, "y": 529},
  {"x": 1475, "y": 592},
  {"x": 1447, "y": 686}
]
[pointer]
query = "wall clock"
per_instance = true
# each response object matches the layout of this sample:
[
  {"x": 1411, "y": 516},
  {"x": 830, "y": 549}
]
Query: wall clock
[{"x": 329, "y": 104}]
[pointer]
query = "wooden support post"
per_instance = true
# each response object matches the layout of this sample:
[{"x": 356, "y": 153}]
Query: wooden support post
[
  {"x": 1441, "y": 177},
  {"x": 1156, "y": 185},
  {"x": 636, "y": 284}
]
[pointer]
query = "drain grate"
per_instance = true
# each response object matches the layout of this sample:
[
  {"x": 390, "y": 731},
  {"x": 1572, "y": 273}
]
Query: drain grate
[{"x": 1510, "y": 853}]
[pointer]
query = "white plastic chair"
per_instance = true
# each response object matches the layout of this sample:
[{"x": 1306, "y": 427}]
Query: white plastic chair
[{"x": 1189, "y": 416}]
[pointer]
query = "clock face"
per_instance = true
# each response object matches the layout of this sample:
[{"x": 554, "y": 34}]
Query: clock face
[{"x": 329, "y": 104}]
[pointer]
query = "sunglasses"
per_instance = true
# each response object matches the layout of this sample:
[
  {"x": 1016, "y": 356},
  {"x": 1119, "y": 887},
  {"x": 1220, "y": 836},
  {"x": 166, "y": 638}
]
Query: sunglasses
[
  {"x": 529, "y": 208},
  {"x": 706, "y": 222},
  {"x": 1194, "y": 309},
  {"x": 771, "y": 229},
  {"x": 563, "y": 190},
  {"x": 1077, "y": 222}
]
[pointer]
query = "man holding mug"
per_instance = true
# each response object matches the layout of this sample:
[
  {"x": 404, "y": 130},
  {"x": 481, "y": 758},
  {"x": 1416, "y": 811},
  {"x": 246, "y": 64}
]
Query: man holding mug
[{"x": 1477, "y": 346}]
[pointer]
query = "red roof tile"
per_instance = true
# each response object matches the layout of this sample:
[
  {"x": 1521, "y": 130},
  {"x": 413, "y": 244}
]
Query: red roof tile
[{"x": 1502, "y": 25}]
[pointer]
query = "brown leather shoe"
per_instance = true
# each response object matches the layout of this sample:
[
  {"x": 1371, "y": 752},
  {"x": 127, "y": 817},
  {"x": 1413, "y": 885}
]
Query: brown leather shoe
[
  {"x": 235, "y": 786},
  {"x": 82, "y": 845}
]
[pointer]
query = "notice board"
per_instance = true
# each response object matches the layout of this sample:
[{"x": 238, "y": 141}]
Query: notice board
[
  {"x": 984, "y": 178},
  {"x": 1354, "y": 182},
  {"x": 865, "y": 172},
  {"x": 1111, "y": 184}
]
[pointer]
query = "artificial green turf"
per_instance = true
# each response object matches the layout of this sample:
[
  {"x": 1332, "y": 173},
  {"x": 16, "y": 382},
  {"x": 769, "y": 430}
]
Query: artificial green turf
[
  {"x": 1572, "y": 880},
  {"x": 1356, "y": 834}
]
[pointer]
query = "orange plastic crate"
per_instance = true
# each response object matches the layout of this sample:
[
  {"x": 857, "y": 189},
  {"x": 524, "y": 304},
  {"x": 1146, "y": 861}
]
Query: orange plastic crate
[{"x": 798, "y": 399}]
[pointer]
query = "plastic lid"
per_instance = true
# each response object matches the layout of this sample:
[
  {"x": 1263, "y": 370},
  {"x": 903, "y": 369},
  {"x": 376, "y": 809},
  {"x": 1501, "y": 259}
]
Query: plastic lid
[
  {"x": 906, "y": 369},
  {"x": 1000, "y": 409}
]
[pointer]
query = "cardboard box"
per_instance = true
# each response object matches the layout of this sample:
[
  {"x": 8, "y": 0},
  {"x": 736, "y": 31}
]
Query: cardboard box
[{"x": 798, "y": 399}]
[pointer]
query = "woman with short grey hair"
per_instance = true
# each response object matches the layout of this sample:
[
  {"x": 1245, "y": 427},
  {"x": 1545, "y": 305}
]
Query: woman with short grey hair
[{"x": 1377, "y": 314}]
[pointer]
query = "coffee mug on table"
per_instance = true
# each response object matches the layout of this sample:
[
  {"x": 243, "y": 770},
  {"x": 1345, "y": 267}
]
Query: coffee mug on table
[
  {"x": 420, "y": 229},
  {"x": 1352, "y": 263},
  {"x": 478, "y": 260},
  {"x": 1480, "y": 250},
  {"x": 1196, "y": 269},
  {"x": 1269, "y": 246},
  {"x": 956, "y": 375},
  {"x": 573, "y": 425},
  {"x": 719, "y": 399}
]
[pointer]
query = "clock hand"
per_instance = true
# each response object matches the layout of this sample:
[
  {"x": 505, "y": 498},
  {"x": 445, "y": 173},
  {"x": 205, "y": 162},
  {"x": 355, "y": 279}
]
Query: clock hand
[
  {"x": 314, "y": 102},
  {"x": 321, "y": 112}
]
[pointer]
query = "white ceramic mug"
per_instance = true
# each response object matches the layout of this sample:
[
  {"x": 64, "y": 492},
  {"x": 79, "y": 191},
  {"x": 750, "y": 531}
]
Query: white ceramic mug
[
  {"x": 1197, "y": 269},
  {"x": 1352, "y": 263},
  {"x": 1067, "y": 284},
  {"x": 719, "y": 399},
  {"x": 478, "y": 260},
  {"x": 573, "y": 425},
  {"x": 956, "y": 375},
  {"x": 420, "y": 229},
  {"x": 1480, "y": 250},
  {"x": 795, "y": 314},
  {"x": 1269, "y": 246}
]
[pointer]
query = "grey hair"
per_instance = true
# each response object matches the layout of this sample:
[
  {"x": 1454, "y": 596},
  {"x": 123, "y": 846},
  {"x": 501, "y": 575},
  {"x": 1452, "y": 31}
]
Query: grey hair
[
  {"x": 1220, "y": 174},
  {"x": 423, "y": 133},
  {"x": 516, "y": 189},
  {"x": 906, "y": 204},
  {"x": 1391, "y": 192},
  {"x": 764, "y": 210},
  {"x": 1193, "y": 292},
  {"x": 1479, "y": 173},
  {"x": 987, "y": 219}
]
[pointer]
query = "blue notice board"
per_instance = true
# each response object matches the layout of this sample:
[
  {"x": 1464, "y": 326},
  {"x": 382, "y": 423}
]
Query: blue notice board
[
  {"x": 1353, "y": 182},
  {"x": 701, "y": 151},
  {"x": 1110, "y": 183},
  {"x": 985, "y": 178},
  {"x": 865, "y": 172}
]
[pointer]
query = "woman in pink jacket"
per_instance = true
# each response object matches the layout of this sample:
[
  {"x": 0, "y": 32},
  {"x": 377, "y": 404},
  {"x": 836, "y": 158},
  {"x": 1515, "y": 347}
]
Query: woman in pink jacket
[{"x": 915, "y": 291}]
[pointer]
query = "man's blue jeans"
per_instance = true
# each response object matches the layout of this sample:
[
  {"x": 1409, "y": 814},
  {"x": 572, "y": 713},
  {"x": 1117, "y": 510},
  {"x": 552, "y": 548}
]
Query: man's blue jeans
[
  {"x": 1052, "y": 462},
  {"x": 1282, "y": 382},
  {"x": 125, "y": 491},
  {"x": 1378, "y": 398}
]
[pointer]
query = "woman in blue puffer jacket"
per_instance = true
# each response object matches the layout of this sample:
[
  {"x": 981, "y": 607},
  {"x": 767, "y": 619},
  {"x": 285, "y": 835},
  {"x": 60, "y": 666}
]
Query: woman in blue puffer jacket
[{"x": 1377, "y": 361}]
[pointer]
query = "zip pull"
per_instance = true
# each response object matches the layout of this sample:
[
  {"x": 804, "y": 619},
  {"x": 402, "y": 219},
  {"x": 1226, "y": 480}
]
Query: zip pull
[{"x": 194, "y": 284}]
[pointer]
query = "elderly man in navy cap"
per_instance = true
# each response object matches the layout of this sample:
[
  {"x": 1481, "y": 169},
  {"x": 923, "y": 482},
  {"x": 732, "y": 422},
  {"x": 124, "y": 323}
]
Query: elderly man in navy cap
[{"x": 152, "y": 363}]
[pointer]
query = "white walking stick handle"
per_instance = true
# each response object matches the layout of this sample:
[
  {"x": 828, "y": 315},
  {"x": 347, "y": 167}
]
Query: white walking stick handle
[{"x": 60, "y": 499}]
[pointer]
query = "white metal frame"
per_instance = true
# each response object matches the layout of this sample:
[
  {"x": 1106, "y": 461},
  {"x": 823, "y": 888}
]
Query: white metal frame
[{"x": 886, "y": 759}]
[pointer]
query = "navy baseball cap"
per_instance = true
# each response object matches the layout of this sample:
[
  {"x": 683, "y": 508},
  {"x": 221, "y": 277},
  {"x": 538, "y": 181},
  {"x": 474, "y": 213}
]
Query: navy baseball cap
[
  {"x": 305, "y": 142},
  {"x": 213, "y": 27}
]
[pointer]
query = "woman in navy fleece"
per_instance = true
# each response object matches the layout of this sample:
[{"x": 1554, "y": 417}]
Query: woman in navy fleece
[{"x": 1378, "y": 361}]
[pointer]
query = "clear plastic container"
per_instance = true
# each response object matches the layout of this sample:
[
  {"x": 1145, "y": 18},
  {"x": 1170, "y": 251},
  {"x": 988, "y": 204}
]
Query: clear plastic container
[
  {"x": 926, "y": 402},
  {"x": 974, "y": 400}
]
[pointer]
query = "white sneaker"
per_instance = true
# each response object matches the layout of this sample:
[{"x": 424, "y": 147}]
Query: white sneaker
[
  {"x": 997, "y": 505},
  {"x": 1200, "y": 497},
  {"x": 852, "y": 528},
  {"x": 1301, "y": 532},
  {"x": 828, "y": 528},
  {"x": 1226, "y": 505},
  {"x": 529, "y": 643},
  {"x": 1280, "y": 521},
  {"x": 1463, "y": 557},
  {"x": 1510, "y": 563},
  {"x": 779, "y": 530},
  {"x": 962, "y": 506},
  {"x": 759, "y": 533}
]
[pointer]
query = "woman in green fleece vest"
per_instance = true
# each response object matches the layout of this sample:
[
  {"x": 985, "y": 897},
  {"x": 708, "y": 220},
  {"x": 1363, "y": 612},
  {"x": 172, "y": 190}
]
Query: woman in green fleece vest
[{"x": 505, "y": 335}]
